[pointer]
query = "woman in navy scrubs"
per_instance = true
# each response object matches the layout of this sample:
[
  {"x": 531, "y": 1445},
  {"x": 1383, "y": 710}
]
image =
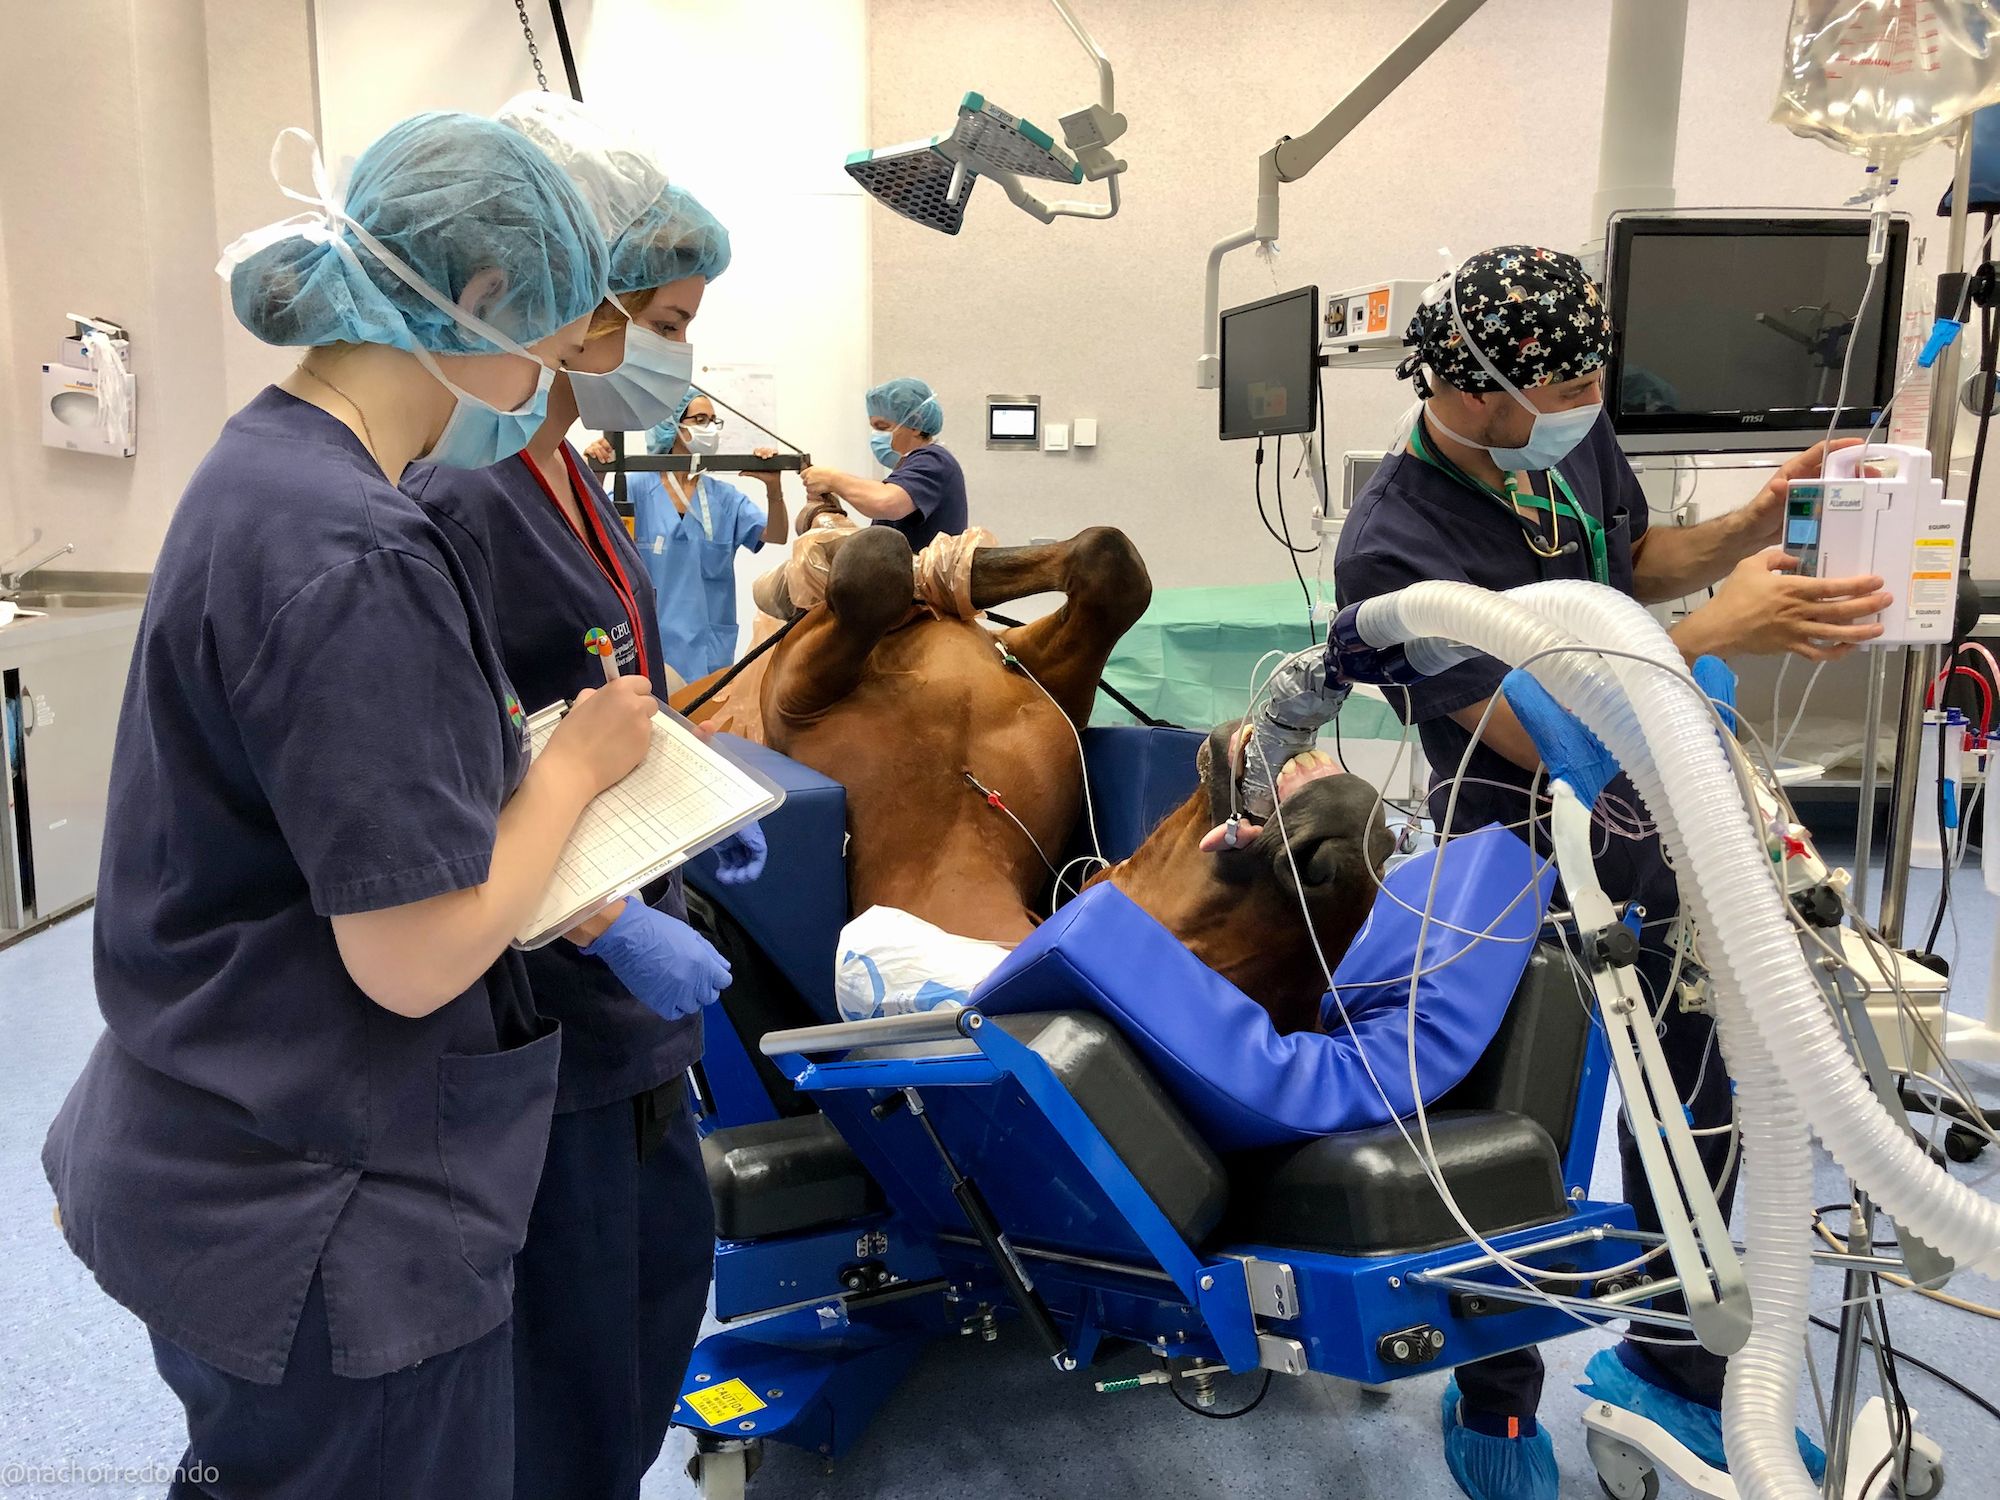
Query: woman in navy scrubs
[
  {"x": 610, "y": 1289},
  {"x": 305, "y": 1147}
]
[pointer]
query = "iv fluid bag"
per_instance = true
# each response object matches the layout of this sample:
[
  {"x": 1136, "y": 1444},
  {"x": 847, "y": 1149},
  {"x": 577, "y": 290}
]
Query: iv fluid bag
[{"x": 1882, "y": 79}]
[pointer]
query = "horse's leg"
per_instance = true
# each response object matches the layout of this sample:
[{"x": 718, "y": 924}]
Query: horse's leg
[
  {"x": 868, "y": 594},
  {"x": 1105, "y": 589}
]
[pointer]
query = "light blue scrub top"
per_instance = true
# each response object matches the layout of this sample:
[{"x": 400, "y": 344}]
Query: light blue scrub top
[{"x": 692, "y": 561}]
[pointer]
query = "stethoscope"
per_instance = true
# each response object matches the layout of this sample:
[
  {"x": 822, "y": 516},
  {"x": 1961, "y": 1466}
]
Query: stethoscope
[{"x": 1548, "y": 547}]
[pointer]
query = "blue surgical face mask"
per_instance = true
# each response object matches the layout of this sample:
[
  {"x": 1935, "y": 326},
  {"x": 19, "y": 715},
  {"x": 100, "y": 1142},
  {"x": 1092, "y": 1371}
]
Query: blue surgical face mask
[
  {"x": 644, "y": 391},
  {"x": 478, "y": 434},
  {"x": 884, "y": 449},
  {"x": 1552, "y": 439},
  {"x": 1554, "y": 435}
]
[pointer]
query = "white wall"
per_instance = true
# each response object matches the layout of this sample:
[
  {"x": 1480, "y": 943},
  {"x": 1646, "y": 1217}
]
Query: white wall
[
  {"x": 108, "y": 206},
  {"x": 1494, "y": 140},
  {"x": 751, "y": 109}
]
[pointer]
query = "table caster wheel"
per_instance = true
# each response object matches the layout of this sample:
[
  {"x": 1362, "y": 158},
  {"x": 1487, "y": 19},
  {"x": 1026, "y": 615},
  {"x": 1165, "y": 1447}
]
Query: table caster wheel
[
  {"x": 1623, "y": 1472},
  {"x": 721, "y": 1470},
  {"x": 1923, "y": 1479}
]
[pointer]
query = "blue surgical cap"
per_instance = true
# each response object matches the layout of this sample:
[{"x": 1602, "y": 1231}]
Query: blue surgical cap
[
  {"x": 672, "y": 239},
  {"x": 661, "y": 439},
  {"x": 907, "y": 402},
  {"x": 453, "y": 196}
]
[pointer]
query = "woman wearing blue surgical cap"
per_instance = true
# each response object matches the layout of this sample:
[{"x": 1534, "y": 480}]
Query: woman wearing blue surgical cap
[
  {"x": 610, "y": 1287},
  {"x": 304, "y": 1149},
  {"x": 924, "y": 495}
]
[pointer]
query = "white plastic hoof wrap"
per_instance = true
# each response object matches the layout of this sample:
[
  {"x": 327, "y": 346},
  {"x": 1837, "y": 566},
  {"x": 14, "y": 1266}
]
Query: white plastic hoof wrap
[{"x": 1790, "y": 1063}]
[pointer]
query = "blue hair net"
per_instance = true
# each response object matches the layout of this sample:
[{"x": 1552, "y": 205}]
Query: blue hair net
[
  {"x": 907, "y": 402},
  {"x": 661, "y": 439},
  {"x": 672, "y": 239},
  {"x": 617, "y": 179},
  {"x": 453, "y": 196}
]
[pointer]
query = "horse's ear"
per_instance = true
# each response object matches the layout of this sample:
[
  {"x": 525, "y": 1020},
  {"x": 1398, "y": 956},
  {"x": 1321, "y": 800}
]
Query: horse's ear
[{"x": 1214, "y": 752}]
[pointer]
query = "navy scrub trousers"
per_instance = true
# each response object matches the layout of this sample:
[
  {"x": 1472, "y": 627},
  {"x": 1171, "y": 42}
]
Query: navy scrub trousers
[{"x": 609, "y": 1294}]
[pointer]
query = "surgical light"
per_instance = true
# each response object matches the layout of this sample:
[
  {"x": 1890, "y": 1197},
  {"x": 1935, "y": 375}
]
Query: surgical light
[{"x": 929, "y": 181}]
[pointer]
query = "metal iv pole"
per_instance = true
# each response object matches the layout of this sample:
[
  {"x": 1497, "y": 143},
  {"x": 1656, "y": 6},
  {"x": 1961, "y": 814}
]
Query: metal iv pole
[
  {"x": 1919, "y": 668},
  {"x": 1920, "y": 663}
]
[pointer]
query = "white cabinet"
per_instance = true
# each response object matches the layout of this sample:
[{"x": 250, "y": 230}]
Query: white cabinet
[{"x": 61, "y": 681}]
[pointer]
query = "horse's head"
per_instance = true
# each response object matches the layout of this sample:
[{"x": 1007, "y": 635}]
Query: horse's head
[{"x": 1243, "y": 911}]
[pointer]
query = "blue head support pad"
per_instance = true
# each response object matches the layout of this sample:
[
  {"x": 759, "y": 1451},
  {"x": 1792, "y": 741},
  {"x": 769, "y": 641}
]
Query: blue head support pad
[
  {"x": 672, "y": 238},
  {"x": 1214, "y": 1049},
  {"x": 1570, "y": 751},
  {"x": 469, "y": 206},
  {"x": 907, "y": 402},
  {"x": 661, "y": 439}
]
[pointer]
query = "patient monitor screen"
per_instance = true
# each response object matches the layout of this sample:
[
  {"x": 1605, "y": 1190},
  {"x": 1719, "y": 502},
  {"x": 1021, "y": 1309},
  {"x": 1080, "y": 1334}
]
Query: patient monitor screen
[
  {"x": 1740, "y": 327},
  {"x": 1270, "y": 366}
]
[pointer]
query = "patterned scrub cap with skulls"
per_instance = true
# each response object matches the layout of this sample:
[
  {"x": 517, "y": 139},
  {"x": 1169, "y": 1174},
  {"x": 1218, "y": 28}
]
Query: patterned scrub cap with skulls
[{"x": 1535, "y": 314}]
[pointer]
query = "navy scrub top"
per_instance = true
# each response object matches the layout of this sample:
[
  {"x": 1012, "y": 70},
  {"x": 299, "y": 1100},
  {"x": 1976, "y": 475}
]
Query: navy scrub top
[
  {"x": 1412, "y": 522},
  {"x": 931, "y": 477},
  {"x": 548, "y": 586},
  {"x": 316, "y": 722}
]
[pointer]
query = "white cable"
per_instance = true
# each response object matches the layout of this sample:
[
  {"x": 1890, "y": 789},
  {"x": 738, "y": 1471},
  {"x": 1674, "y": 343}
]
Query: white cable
[
  {"x": 1082, "y": 767},
  {"x": 1785, "y": 739}
]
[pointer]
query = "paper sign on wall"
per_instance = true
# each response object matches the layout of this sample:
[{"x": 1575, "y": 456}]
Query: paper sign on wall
[{"x": 751, "y": 389}]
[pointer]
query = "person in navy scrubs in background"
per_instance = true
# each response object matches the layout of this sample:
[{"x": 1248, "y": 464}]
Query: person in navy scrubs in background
[
  {"x": 924, "y": 495},
  {"x": 610, "y": 1288},
  {"x": 305, "y": 1147}
]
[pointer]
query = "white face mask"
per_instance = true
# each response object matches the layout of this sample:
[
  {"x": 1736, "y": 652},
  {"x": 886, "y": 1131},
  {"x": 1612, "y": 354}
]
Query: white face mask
[
  {"x": 645, "y": 388},
  {"x": 705, "y": 439}
]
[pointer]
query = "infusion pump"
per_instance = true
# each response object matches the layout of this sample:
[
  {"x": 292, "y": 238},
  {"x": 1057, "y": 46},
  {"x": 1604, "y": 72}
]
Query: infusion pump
[{"x": 1896, "y": 524}]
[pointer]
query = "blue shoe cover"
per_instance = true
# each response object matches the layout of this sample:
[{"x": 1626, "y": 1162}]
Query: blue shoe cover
[
  {"x": 1497, "y": 1468},
  {"x": 1695, "y": 1427}
]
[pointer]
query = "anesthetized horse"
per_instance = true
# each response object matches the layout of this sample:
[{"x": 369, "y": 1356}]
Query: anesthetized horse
[{"x": 959, "y": 751}]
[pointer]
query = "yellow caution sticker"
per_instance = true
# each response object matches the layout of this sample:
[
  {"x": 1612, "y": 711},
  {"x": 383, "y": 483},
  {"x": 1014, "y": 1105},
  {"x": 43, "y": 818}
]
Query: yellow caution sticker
[{"x": 724, "y": 1403}]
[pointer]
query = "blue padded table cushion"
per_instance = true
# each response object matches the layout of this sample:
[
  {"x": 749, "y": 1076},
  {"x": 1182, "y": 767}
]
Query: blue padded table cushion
[
  {"x": 795, "y": 911},
  {"x": 1214, "y": 1049},
  {"x": 1137, "y": 776}
]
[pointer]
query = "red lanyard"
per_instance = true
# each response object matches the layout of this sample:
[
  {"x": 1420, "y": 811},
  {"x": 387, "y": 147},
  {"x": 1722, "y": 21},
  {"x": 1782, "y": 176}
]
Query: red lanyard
[{"x": 603, "y": 553}]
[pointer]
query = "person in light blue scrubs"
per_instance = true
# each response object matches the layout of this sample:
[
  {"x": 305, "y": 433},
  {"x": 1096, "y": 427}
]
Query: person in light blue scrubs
[{"x": 689, "y": 530}]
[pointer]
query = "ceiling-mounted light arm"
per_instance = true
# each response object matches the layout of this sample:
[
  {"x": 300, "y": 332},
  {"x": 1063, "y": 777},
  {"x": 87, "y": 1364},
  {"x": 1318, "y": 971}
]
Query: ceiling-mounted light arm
[
  {"x": 1096, "y": 52},
  {"x": 1048, "y": 213},
  {"x": 1090, "y": 132},
  {"x": 1294, "y": 156}
]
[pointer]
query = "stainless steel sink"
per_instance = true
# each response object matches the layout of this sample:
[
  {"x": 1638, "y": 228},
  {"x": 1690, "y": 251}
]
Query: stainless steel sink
[{"x": 77, "y": 599}]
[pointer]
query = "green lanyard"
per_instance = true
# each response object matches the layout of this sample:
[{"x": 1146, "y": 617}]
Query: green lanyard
[{"x": 1562, "y": 502}]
